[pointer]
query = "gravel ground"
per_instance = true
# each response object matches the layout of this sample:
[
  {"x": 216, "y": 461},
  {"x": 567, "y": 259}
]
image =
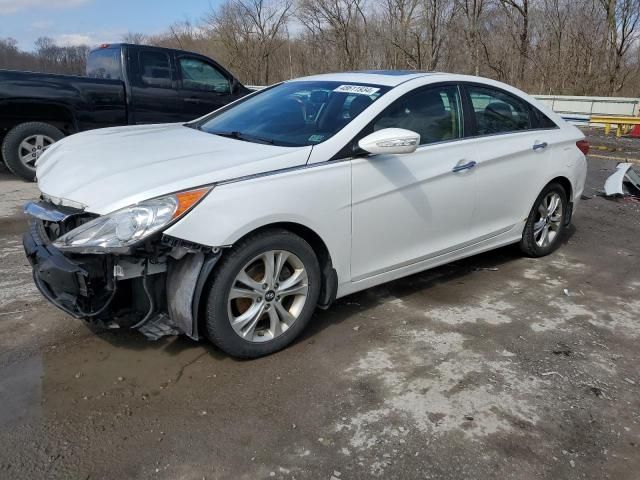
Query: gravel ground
[{"x": 497, "y": 366}]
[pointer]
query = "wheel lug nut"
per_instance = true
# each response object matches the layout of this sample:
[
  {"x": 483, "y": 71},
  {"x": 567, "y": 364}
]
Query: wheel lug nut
[
  {"x": 277, "y": 285},
  {"x": 265, "y": 286}
]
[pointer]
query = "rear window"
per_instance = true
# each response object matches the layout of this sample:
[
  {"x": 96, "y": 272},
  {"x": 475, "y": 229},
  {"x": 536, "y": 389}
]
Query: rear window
[{"x": 104, "y": 63}]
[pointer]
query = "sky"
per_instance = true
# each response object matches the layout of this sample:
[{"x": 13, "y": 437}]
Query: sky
[{"x": 72, "y": 22}]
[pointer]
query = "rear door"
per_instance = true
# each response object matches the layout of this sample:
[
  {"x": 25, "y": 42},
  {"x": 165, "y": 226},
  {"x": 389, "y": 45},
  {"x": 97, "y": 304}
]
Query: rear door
[
  {"x": 153, "y": 84},
  {"x": 204, "y": 86},
  {"x": 512, "y": 153}
]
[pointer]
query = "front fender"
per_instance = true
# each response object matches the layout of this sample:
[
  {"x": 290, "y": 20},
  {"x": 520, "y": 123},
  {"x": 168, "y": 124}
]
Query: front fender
[{"x": 316, "y": 197}]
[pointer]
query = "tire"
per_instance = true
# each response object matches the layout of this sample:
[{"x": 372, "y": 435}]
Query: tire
[
  {"x": 261, "y": 316},
  {"x": 37, "y": 136},
  {"x": 544, "y": 228}
]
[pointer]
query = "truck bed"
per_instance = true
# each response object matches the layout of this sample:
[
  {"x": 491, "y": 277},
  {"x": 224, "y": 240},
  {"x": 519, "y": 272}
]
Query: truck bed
[{"x": 96, "y": 102}]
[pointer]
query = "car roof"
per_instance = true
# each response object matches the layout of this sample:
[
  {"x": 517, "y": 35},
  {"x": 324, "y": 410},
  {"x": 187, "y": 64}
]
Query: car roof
[{"x": 387, "y": 78}]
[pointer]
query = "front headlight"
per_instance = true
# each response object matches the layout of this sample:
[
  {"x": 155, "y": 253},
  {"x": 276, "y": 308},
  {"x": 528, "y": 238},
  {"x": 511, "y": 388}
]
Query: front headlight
[{"x": 117, "y": 231}]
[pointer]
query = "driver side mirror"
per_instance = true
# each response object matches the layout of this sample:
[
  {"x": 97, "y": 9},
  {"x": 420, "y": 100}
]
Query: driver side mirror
[{"x": 390, "y": 141}]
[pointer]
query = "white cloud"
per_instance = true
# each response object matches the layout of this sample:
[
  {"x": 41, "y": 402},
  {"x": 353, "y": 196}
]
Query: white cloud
[
  {"x": 90, "y": 38},
  {"x": 8, "y": 7},
  {"x": 72, "y": 39}
]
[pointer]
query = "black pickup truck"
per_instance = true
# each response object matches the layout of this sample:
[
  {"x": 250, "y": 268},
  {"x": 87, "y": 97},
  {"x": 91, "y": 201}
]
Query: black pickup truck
[{"x": 125, "y": 85}]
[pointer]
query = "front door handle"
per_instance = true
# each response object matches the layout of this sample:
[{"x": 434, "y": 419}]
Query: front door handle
[
  {"x": 192, "y": 100},
  {"x": 539, "y": 146},
  {"x": 464, "y": 166}
]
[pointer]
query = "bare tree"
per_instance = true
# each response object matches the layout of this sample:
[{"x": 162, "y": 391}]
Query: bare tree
[
  {"x": 518, "y": 10},
  {"x": 437, "y": 18},
  {"x": 473, "y": 11},
  {"x": 581, "y": 47},
  {"x": 622, "y": 20},
  {"x": 135, "y": 38},
  {"x": 254, "y": 30},
  {"x": 339, "y": 23},
  {"x": 399, "y": 26}
]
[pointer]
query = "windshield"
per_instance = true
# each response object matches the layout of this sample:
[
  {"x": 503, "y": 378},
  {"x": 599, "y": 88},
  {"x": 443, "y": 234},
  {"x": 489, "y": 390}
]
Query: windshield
[{"x": 294, "y": 114}]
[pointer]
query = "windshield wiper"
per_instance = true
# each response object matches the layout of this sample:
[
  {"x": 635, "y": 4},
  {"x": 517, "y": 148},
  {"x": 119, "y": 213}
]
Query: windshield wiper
[{"x": 245, "y": 137}]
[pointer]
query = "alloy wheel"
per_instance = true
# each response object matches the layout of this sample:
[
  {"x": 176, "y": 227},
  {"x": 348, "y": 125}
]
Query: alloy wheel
[
  {"x": 267, "y": 296},
  {"x": 32, "y": 147},
  {"x": 549, "y": 221}
]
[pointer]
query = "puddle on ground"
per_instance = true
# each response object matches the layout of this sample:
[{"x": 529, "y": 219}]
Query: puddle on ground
[{"x": 104, "y": 370}]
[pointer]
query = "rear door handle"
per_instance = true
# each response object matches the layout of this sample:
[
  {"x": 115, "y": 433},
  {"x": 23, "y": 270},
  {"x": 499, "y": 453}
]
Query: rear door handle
[
  {"x": 540, "y": 146},
  {"x": 192, "y": 100},
  {"x": 464, "y": 166}
]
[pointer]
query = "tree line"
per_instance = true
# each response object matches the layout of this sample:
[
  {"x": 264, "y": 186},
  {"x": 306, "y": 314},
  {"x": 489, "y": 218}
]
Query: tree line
[{"x": 573, "y": 47}]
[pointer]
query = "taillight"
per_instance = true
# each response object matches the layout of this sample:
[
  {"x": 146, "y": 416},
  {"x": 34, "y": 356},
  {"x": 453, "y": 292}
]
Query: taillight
[{"x": 583, "y": 145}]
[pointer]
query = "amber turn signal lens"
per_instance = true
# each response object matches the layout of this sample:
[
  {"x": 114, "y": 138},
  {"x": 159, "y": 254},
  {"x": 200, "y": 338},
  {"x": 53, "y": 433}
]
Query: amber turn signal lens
[{"x": 186, "y": 200}]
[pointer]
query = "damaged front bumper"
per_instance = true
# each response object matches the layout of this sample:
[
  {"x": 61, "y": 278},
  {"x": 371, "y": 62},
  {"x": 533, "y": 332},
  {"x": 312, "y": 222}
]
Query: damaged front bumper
[{"x": 155, "y": 289}]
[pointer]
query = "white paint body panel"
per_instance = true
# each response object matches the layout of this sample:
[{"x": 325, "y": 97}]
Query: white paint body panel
[
  {"x": 112, "y": 168},
  {"x": 318, "y": 198},
  {"x": 381, "y": 217},
  {"x": 409, "y": 207}
]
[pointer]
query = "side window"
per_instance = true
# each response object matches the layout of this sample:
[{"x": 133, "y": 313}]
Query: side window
[
  {"x": 199, "y": 75},
  {"x": 542, "y": 120},
  {"x": 498, "y": 112},
  {"x": 434, "y": 113},
  {"x": 155, "y": 69}
]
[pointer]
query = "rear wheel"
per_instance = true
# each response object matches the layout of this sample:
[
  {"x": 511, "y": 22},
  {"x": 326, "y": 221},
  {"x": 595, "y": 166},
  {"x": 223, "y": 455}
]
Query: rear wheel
[
  {"x": 24, "y": 144},
  {"x": 263, "y": 294},
  {"x": 546, "y": 222}
]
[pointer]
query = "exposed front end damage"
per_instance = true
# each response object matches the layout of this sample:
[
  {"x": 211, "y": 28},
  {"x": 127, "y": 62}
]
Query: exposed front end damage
[{"x": 154, "y": 288}]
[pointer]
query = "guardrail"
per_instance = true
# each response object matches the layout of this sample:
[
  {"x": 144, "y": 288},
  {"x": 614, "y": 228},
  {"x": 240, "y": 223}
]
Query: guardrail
[
  {"x": 623, "y": 123},
  {"x": 578, "y": 109}
]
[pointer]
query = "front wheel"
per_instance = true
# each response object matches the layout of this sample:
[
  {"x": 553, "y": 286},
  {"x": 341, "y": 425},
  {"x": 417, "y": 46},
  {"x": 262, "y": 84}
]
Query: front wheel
[
  {"x": 24, "y": 144},
  {"x": 263, "y": 294},
  {"x": 546, "y": 222}
]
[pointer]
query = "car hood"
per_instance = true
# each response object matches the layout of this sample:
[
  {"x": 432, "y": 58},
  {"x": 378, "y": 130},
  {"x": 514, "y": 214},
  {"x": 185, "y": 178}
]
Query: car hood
[{"x": 104, "y": 170}]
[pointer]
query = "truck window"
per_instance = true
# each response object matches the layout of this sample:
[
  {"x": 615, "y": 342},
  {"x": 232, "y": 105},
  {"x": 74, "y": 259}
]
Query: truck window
[
  {"x": 199, "y": 75},
  {"x": 104, "y": 63},
  {"x": 156, "y": 69}
]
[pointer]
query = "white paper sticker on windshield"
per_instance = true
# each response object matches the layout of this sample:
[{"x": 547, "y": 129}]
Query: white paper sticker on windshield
[{"x": 359, "y": 89}]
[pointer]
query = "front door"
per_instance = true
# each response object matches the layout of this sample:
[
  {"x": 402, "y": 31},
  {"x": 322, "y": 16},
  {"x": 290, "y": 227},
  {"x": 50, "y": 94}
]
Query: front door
[{"x": 409, "y": 208}]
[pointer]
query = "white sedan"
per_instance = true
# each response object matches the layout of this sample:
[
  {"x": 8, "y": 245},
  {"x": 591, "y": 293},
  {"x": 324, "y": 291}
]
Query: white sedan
[{"x": 236, "y": 226}]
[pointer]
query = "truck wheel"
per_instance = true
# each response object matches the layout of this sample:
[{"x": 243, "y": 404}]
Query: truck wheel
[
  {"x": 263, "y": 294},
  {"x": 24, "y": 144}
]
